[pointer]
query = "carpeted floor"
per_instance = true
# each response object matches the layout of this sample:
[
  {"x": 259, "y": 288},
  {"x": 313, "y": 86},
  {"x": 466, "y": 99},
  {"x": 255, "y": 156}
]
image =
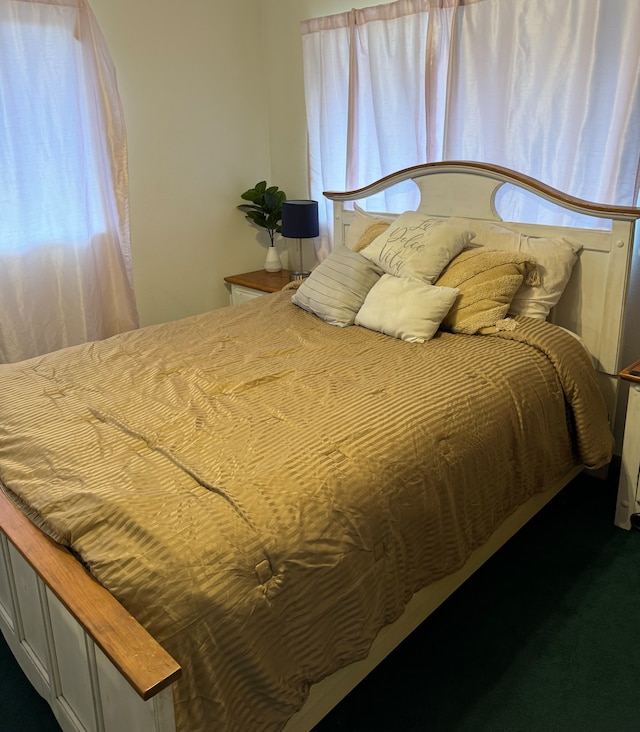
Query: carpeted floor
[
  {"x": 542, "y": 639},
  {"x": 21, "y": 708}
]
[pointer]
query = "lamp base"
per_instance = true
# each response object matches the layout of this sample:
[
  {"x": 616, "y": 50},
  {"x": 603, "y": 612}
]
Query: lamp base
[{"x": 298, "y": 275}]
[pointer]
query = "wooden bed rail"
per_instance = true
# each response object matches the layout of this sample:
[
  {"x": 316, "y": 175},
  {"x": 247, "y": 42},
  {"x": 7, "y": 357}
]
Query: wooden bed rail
[{"x": 131, "y": 649}]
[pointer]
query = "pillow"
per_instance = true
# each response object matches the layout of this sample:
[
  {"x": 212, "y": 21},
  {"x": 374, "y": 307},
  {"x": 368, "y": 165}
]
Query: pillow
[
  {"x": 418, "y": 246},
  {"x": 370, "y": 233},
  {"x": 490, "y": 235},
  {"x": 364, "y": 228},
  {"x": 487, "y": 280},
  {"x": 555, "y": 257},
  {"x": 405, "y": 308},
  {"x": 337, "y": 287}
]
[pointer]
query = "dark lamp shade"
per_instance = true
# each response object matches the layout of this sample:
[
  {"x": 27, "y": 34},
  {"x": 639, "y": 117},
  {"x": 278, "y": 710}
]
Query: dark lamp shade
[{"x": 300, "y": 219}]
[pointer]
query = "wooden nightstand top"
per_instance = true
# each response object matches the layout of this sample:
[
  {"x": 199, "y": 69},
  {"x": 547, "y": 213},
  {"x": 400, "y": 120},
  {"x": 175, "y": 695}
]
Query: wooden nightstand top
[
  {"x": 261, "y": 280},
  {"x": 631, "y": 373}
]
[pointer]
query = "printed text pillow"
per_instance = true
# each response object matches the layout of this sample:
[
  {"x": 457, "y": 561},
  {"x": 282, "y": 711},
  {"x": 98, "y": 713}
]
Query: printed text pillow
[{"x": 416, "y": 245}]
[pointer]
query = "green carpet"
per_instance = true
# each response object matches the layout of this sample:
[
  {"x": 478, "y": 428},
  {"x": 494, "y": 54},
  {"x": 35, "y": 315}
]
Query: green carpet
[
  {"x": 21, "y": 708},
  {"x": 541, "y": 639}
]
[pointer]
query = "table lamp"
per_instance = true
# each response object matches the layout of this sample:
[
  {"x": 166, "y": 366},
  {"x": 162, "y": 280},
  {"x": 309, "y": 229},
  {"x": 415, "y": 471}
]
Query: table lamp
[{"x": 300, "y": 221}]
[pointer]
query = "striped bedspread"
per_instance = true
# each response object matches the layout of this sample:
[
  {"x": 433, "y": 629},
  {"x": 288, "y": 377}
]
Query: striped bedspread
[{"x": 264, "y": 491}]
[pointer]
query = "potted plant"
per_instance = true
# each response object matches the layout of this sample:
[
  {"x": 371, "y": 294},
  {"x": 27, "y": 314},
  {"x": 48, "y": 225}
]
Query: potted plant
[{"x": 265, "y": 211}]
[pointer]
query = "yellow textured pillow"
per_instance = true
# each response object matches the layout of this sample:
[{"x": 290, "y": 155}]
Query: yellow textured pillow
[
  {"x": 360, "y": 223},
  {"x": 488, "y": 281},
  {"x": 369, "y": 234}
]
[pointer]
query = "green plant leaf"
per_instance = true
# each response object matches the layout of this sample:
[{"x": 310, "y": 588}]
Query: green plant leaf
[
  {"x": 272, "y": 202},
  {"x": 258, "y": 218},
  {"x": 265, "y": 209}
]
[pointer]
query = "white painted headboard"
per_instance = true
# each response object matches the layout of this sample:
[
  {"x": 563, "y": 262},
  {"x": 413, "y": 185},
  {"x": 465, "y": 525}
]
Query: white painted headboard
[{"x": 593, "y": 304}]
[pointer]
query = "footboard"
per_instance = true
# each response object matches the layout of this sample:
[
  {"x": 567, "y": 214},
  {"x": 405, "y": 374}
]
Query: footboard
[{"x": 94, "y": 664}]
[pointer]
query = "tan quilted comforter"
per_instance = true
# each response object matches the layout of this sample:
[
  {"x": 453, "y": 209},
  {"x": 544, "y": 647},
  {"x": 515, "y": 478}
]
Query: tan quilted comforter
[{"x": 264, "y": 491}]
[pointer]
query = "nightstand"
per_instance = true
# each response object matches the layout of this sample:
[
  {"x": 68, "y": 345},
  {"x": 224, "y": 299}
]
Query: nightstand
[
  {"x": 628, "y": 503},
  {"x": 253, "y": 284}
]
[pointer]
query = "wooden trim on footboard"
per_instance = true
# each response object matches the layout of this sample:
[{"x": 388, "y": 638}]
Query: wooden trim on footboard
[{"x": 92, "y": 661}]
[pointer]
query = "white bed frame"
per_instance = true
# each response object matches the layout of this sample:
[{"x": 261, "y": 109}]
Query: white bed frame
[{"x": 101, "y": 671}]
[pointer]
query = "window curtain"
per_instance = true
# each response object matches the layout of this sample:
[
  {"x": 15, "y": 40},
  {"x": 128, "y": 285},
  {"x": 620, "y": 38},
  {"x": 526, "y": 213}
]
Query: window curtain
[
  {"x": 549, "y": 89},
  {"x": 65, "y": 264}
]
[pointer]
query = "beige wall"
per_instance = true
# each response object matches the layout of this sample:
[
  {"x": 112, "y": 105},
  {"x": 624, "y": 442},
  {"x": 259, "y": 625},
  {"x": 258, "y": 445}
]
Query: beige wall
[
  {"x": 191, "y": 80},
  {"x": 214, "y": 101}
]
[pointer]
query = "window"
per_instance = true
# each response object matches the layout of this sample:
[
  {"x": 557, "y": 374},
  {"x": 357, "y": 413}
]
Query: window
[
  {"x": 549, "y": 89},
  {"x": 65, "y": 274}
]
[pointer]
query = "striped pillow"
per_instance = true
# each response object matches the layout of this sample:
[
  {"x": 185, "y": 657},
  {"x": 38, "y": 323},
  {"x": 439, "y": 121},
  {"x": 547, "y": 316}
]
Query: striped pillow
[{"x": 337, "y": 287}]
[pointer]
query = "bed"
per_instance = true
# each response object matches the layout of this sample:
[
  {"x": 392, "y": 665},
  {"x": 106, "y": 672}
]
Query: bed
[{"x": 226, "y": 522}]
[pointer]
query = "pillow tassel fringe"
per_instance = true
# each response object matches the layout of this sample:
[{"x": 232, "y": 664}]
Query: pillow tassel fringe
[
  {"x": 533, "y": 278},
  {"x": 506, "y": 324}
]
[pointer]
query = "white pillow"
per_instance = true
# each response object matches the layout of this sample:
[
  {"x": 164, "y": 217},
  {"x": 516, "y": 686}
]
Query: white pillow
[
  {"x": 337, "y": 287},
  {"x": 360, "y": 222},
  {"x": 405, "y": 308},
  {"x": 416, "y": 245},
  {"x": 556, "y": 259}
]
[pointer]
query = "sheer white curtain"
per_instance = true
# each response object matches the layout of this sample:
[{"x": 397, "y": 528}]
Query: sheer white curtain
[
  {"x": 550, "y": 89},
  {"x": 65, "y": 266}
]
